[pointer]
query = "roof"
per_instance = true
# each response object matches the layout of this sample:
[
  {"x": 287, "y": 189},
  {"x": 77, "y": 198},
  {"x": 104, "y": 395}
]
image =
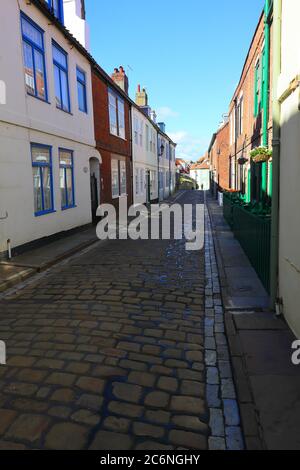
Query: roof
[
  {"x": 200, "y": 166},
  {"x": 42, "y": 6}
]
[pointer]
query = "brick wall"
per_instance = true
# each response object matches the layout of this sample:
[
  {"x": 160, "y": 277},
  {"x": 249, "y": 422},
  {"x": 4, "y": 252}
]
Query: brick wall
[{"x": 109, "y": 145}]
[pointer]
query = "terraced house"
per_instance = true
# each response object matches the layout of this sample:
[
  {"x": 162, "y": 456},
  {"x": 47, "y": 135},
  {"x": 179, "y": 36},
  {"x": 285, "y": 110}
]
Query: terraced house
[
  {"x": 145, "y": 156},
  {"x": 47, "y": 145},
  {"x": 245, "y": 178}
]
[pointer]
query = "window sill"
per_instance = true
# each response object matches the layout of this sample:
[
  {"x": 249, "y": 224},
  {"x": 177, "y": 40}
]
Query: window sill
[
  {"x": 64, "y": 111},
  {"x": 40, "y": 214},
  {"x": 68, "y": 207},
  {"x": 119, "y": 137},
  {"x": 38, "y": 98}
]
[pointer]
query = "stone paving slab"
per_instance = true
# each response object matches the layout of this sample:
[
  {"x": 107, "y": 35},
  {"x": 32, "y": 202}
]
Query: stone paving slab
[{"x": 106, "y": 351}]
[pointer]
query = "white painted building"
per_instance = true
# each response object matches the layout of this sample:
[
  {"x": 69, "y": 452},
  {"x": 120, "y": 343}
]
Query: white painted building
[
  {"x": 75, "y": 21},
  {"x": 47, "y": 146},
  {"x": 154, "y": 169},
  {"x": 144, "y": 157},
  {"x": 166, "y": 164},
  {"x": 200, "y": 172},
  {"x": 289, "y": 177}
]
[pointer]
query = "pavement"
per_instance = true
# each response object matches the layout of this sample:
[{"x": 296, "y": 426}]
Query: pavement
[
  {"x": 39, "y": 259},
  {"x": 267, "y": 382}
]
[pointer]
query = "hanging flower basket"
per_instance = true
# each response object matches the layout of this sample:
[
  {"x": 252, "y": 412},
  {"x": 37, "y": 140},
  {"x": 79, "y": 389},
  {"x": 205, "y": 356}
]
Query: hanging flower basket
[
  {"x": 242, "y": 160},
  {"x": 261, "y": 154}
]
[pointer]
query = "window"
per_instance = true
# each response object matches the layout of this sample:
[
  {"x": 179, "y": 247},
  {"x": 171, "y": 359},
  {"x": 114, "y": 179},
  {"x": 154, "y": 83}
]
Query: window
[
  {"x": 81, "y": 90},
  {"x": 42, "y": 179},
  {"x": 153, "y": 180},
  {"x": 34, "y": 59},
  {"x": 142, "y": 181},
  {"x": 141, "y": 131},
  {"x": 56, "y": 6},
  {"x": 119, "y": 178},
  {"x": 137, "y": 188},
  {"x": 66, "y": 175},
  {"x": 136, "y": 131},
  {"x": 123, "y": 179},
  {"x": 147, "y": 138},
  {"x": 239, "y": 116},
  {"x": 257, "y": 88},
  {"x": 154, "y": 142},
  {"x": 60, "y": 63},
  {"x": 116, "y": 114},
  {"x": 167, "y": 151}
]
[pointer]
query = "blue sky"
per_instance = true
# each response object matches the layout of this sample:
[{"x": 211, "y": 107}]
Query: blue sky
[{"x": 188, "y": 54}]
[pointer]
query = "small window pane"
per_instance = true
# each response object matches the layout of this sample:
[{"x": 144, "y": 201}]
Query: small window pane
[
  {"x": 65, "y": 158},
  {"x": 64, "y": 91},
  {"x": 113, "y": 119},
  {"x": 123, "y": 178},
  {"x": 47, "y": 188},
  {"x": 29, "y": 73},
  {"x": 32, "y": 33},
  {"x": 57, "y": 86},
  {"x": 121, "y": 116},
  {"x": 63, "y": 193},
  {"x": 59, "y": 57},
  {"x": 39, "y": 74},
  {"x": 80, "y": 75},
  {"x": 81, "y": 97},
  {"x": 41, "y": 155},
  {"x": 115, "y": 178},
  {"x": 38, "y": 205},
  {"x": 69, "y": 178}
]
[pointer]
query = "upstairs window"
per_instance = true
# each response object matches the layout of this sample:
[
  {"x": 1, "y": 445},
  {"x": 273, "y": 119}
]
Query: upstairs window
[
  {"x": 116, "y": 114},
  {"x": 34, "y": 58},
  {"x": 257, "y": 87},
  {"x": 81, "y": 90},
  {"x": 56, "y": 7},
  {"x": 239, "y": 116},
  {"x": 61, "y": 80}
]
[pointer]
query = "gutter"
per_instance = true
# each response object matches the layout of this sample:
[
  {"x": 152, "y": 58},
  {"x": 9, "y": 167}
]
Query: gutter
[{"x": 276, "y": 154}]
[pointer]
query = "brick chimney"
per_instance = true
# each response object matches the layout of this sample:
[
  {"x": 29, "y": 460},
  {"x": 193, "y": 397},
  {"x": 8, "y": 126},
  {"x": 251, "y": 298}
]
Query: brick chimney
[
  {"x": 141, "y": 97},
  {"x": 120, "y": 78}
]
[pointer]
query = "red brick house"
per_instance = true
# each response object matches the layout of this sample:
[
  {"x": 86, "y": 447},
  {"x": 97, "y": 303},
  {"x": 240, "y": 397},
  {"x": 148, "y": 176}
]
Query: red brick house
[
  {"x": 250, "y": 117},
  {"x": 219, "y": 159},
  {"x": 112, "y": 116}
]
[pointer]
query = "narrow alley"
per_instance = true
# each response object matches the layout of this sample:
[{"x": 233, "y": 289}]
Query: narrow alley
[{"x": 117, "y": 348}]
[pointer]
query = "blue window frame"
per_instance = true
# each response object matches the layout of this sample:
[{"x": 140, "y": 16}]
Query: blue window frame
[
  {"x": 66, "y": 175},
  {"x": 57, "y": 8},
  {"x": 34, "y": 58},
  {"x": 41, "y": 156},
  {"x": 61, "y": 79},
  {"x": 81, "y": 90}
]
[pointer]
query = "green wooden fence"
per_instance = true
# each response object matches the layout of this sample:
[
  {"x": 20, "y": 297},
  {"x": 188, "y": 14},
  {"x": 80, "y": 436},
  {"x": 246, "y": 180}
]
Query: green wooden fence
[{"x": 253, "y": 231}]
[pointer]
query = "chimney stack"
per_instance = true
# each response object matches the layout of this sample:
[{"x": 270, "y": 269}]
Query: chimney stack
[
  {"x": 120, "y": 78},
  {"x": 141, "y": 97}
]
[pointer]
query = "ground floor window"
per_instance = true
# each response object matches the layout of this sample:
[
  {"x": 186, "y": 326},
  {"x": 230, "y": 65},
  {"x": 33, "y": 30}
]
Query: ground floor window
[
  {"x": 66, "y": 174},
  {"x": 142, "y": 180},
  {"x": 153, "y": 180},
  {"x": 42, "y": 179},
  {"x": 118, "y": 178}
]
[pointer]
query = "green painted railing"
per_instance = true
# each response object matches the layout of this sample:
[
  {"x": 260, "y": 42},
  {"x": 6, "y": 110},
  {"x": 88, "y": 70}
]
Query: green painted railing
[{"x": 253, "y": 231}]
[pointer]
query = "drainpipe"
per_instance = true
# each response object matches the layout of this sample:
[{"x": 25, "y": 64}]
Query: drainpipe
[
  {"x": 265, "y": 97},
  {"x": 276, "y": 152}
]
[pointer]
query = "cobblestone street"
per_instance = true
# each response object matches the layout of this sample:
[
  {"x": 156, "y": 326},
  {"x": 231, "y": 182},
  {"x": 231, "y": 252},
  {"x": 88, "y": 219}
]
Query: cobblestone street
[{"x": 119, "y": 348}]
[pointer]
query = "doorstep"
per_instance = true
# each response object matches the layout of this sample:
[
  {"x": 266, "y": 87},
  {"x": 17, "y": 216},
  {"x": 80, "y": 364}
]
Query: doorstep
[
  {"x": 39, "y": 259},
  {"x": 267, "y": 382}
]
